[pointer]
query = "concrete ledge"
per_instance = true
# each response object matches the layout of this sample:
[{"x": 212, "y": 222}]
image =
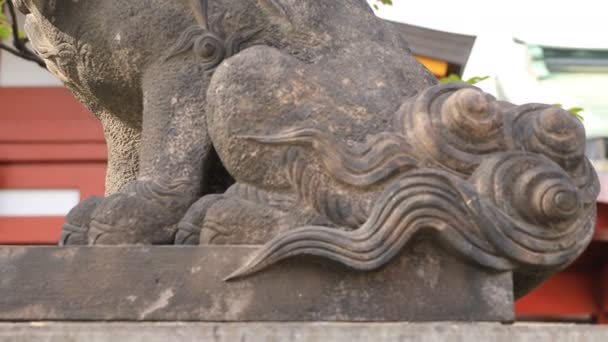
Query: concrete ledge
[
  {"x": 138, "y": 283},
  {"x": 299, "y": 332}
]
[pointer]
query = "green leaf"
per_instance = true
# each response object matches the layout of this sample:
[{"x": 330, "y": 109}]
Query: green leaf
[
  {"x": 5, "y": 27},
  {"x": 477, "y": 79},
  {"x": 575, "y": 111},
  {"x": 384, "y": 2},
  {"x": 452, "y": 78},
  {"x": 5, "y": 32}
]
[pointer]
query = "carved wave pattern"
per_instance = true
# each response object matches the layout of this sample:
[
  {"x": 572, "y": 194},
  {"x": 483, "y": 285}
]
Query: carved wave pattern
[
  {"x": 341, "y": 208},
  {"x": 209, "y": 42},
  {"x": 362, "y": 165},
  {"x": 255, "y": 195},
  {"x": 503, "y": 186}
]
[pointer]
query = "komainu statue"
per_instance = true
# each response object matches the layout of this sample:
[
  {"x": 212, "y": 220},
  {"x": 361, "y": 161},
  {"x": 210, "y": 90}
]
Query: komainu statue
[{"x": 308, "y": 128}]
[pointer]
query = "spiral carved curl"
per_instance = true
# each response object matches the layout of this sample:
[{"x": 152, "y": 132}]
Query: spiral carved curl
[
  {"x": 209, "y": 42},
  {"x": 506, "y": 187}
]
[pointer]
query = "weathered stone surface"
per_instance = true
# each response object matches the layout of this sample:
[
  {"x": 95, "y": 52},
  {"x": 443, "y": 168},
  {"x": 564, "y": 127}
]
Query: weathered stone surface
[
  {"x": 143, "y": 67},
  {"x": 185, "y": 284},
  {"x": 299, "y": 332},
  {"x": 308, "y": 128}
]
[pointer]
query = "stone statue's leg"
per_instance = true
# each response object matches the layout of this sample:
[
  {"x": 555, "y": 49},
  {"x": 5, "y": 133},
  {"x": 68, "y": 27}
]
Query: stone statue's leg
[
  {"x": 122, "y": 141},
  {"x": 174, "y": 148}
]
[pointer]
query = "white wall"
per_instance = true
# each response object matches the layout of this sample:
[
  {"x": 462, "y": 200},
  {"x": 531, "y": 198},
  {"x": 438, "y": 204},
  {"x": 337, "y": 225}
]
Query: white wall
[
  {"x": 581, "y": 22},
  {"x": 37, "y": 202},
  {"x": 16, "y": 72}
]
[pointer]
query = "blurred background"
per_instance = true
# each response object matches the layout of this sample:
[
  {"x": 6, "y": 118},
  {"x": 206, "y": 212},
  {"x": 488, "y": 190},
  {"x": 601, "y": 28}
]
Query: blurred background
[{"x": 52, "y": 151}]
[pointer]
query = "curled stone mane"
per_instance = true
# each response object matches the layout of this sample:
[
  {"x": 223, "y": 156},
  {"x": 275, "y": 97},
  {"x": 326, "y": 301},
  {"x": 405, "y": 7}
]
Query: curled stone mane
[{"x": 501, "y": 205}]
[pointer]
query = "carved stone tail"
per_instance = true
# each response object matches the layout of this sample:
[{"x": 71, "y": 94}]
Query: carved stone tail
[
  {"x": 423, "y": 201},
  {"x": 450, "y": 211},
  {"x": 506, "y": 187}
]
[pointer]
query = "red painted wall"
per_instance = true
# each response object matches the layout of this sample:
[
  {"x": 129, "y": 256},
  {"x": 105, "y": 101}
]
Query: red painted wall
[{"x": 47, "y": 141}]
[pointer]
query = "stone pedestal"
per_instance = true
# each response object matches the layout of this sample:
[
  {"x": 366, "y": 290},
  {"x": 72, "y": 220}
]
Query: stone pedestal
[
  {"x": 299, "y": 332},
  {"x": 185, "y": 284}
]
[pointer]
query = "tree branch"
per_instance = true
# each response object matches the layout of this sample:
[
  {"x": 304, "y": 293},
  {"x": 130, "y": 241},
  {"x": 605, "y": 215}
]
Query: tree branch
[
  {"x": 20, "y": 50},
  {"x": 25, "y": 56}
]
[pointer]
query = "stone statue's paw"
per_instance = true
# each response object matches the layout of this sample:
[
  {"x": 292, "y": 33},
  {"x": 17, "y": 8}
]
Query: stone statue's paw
[
  {"x": 189, "y": 228},
  {"x": 241, "y": 215},
  {"x": 76, "y": 227},
  {"x": 145, "y": 212},
  {"x": 188, "y": 234}
]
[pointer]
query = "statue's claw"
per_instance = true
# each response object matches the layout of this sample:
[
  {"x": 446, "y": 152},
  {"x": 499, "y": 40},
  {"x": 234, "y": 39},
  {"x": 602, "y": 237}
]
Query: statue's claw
[
  {"x": 190, "y": 226},
  {"x": 76, "y": 227},
  {"x": 145, "y": 212}
]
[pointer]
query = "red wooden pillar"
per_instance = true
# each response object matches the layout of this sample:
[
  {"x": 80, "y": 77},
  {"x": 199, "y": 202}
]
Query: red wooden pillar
[
  {"x": 603, "y": 313},
  {"x": 601, "y": 238}
]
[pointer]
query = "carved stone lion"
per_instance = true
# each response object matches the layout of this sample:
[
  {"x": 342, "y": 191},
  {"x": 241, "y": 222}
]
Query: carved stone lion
[
  {"x": 144, "y": 67},
  {"x": 308, "y": 126}
]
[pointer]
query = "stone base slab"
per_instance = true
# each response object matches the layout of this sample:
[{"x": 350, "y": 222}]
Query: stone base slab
[
  {"x": 139, "y": 283},
  {"x": 299, "y": 332}
]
